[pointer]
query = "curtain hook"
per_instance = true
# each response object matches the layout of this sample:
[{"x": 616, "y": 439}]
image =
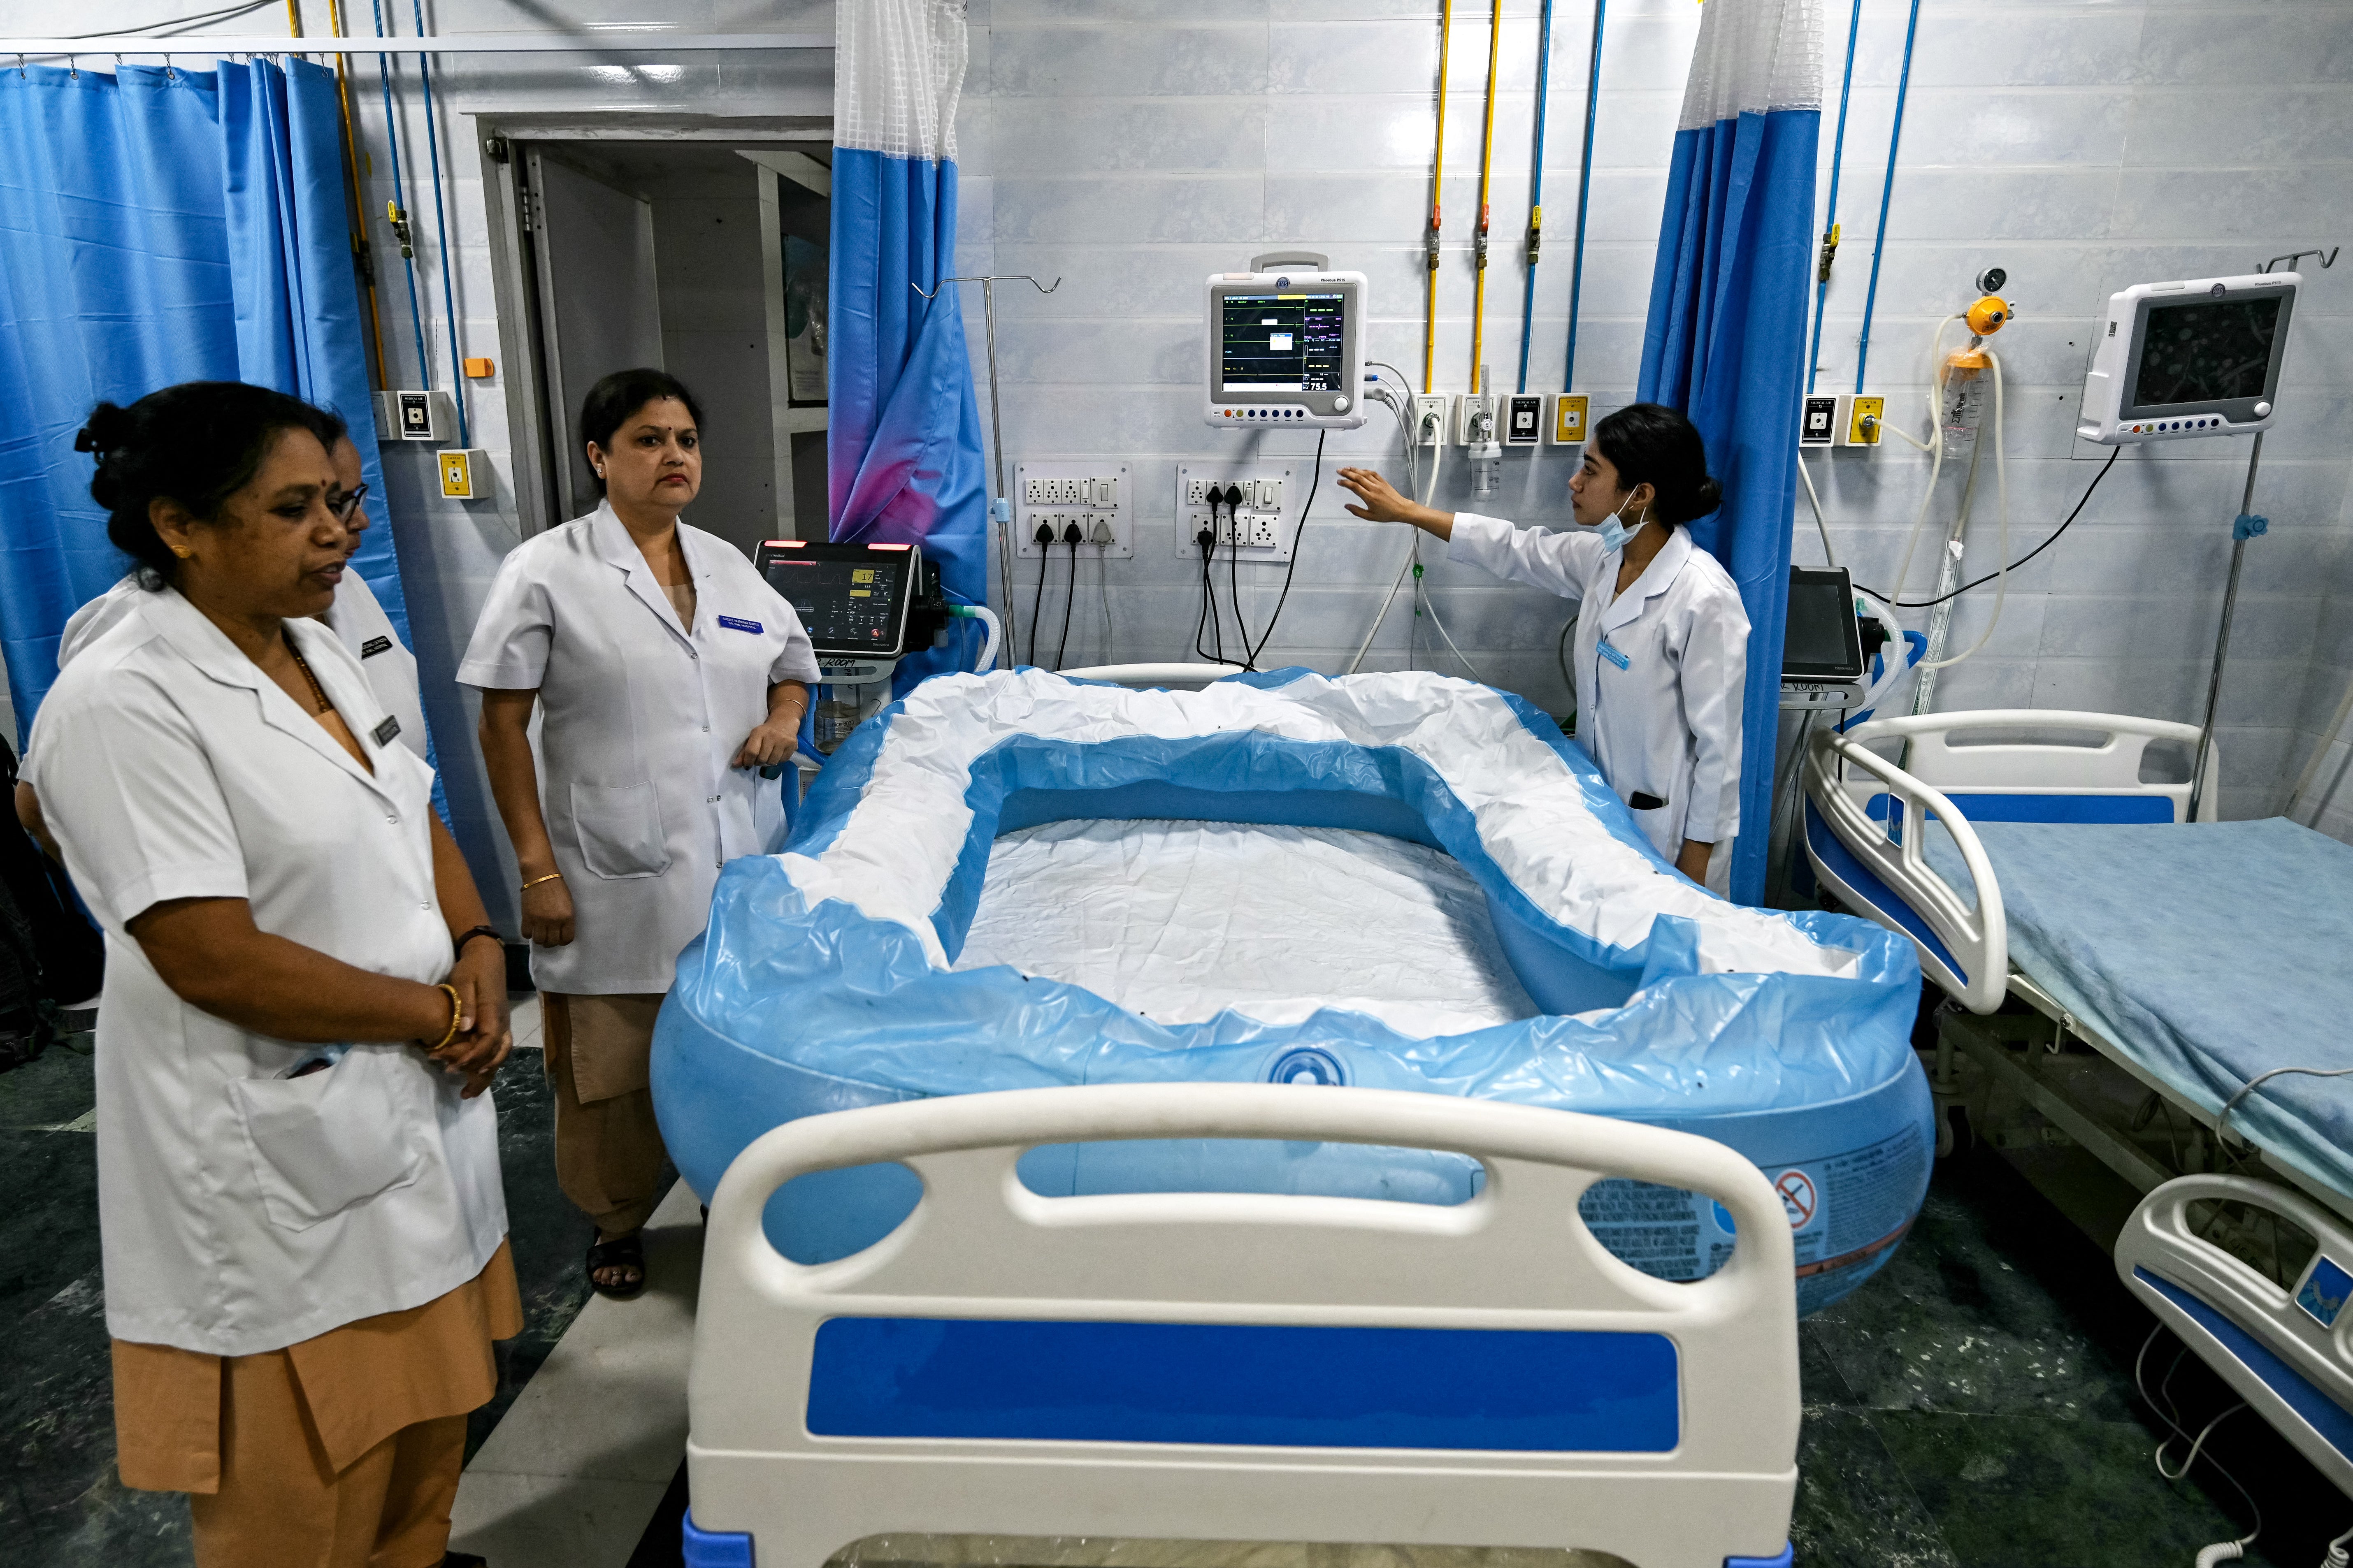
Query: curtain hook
[
  {"x": 73, "y": 67},
  {"x": 20, "y": 65}
]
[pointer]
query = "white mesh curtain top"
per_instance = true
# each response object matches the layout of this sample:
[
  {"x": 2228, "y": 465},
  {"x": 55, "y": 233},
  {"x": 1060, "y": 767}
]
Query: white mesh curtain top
[
  {"x": 1754, "y": 56},
  {"x": 897, "y": 73}
]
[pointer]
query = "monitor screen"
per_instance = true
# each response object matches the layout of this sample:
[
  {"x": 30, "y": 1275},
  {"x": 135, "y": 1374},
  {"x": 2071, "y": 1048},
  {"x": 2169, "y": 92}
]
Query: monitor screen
[
  {"x": 2205, "y": 351},
  {"x": 1822, "y": 642},
  {"x": 846, "y": 606},
  {"x": 1283, "y": 342}
]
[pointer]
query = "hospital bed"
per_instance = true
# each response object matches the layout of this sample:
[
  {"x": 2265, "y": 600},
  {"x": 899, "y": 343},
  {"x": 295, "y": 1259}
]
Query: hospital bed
[
  {"x": 2025, "y": 856},
  {"x": 2028, "y": 860},
  {"x": 1242, "y": 1367}
]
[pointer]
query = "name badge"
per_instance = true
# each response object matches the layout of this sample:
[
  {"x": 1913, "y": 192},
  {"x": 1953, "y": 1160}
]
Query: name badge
[
  {"x": 375, "y": 646},
  {"x": 733, "y": 625},
  {"x": 1612, "y": 655},
  {"x": 385, "y": 731}
]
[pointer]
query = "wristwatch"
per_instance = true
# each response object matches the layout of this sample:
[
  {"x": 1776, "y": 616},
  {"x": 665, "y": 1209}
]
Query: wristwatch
[{"x": 457, "y": 948}]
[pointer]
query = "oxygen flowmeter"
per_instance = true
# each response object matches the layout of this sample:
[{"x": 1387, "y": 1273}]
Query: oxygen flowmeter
[{"x": 1963, "y": 379}]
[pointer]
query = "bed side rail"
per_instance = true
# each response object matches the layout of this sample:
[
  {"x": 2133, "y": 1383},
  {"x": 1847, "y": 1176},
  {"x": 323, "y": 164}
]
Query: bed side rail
[
  {"x": 791, "y": 1447},
  {"x": 2024, "y": 765},
  {"x": 1969, "y": 954},
  {"x": 2284, "y": 1348},
  {"x": 1153, "y": 674}
]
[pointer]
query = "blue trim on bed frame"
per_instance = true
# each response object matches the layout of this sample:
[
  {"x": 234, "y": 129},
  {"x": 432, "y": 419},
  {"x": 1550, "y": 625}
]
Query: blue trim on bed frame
[
  {"x": 1283, "y": 1386},
  {"x": 2322, "y": 1414},
  {"x": 1990, "y": 806},
  {"x": 1866, "y": 884}
]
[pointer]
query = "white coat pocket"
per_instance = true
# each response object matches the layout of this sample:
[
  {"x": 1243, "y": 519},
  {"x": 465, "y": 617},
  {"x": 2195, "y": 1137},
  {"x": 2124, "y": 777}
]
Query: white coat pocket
[
  {"x": 620, "y": 829},
  {"x": 327, "y": 1140}
]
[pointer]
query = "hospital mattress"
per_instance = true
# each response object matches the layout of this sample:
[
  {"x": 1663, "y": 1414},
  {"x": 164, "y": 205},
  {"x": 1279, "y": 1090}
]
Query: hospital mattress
[
  {"x": 2208, "y": 953},
  {"x": 1398, "y": 880}
]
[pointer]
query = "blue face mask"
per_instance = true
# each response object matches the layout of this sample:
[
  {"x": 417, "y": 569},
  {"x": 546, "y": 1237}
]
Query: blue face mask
[{"x": 1614, "y": 534}]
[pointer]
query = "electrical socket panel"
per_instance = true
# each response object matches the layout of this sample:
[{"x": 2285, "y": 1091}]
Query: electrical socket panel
[
  {"x": 1255, "y": 528},
  {"x": 1430, "y": 414},
  {"x": 1059, "y": 495}
]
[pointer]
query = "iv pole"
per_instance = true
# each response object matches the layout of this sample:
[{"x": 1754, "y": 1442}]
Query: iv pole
[
  {"x": 1000, "y": 505},
  {"x": 2244, "y": 527}
]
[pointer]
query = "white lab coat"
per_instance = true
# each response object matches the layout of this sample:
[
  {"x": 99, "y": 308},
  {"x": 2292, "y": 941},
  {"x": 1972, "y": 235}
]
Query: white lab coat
[
  {"x": 1668, "y": 723},
  {"x": 642, "y": 718},
  {"x": 359, "y": 623},
  {"x": 240, "y": 1211}
]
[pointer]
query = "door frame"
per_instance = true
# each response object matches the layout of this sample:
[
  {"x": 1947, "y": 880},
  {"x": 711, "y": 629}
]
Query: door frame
[{"x": 515, "y": 272}]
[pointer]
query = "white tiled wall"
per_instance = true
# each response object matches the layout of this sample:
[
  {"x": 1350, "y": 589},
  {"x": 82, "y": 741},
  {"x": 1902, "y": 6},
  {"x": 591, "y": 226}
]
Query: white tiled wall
[{"x": 1133, "y": 146}]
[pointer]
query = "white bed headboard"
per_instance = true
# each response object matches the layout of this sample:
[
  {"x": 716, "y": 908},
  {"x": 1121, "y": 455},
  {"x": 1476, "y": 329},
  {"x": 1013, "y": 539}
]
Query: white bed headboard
[
  {"x": 2022, "y": 764},
  {"x": 1176, "y": 1365}
]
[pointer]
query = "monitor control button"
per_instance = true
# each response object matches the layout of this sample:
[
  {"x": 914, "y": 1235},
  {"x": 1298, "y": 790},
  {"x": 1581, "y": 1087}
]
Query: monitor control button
[
  {"x": 1341, "y": 403},
  {"x": 2263, "y": 410}
]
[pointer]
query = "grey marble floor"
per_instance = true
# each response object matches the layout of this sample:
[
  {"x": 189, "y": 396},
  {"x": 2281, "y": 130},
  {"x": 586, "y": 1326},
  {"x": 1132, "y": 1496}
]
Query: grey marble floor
[{"x": 1971, "y": 1407}]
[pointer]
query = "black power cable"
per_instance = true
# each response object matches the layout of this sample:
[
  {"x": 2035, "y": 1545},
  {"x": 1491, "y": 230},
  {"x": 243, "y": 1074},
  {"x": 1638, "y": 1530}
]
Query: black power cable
[
  {"x": 1296, "y": 536},
  {"x": 1045, "y": 539},
  {"x": 1206, "y": 540},
  {"x": 1071, "y": 536},
  {"x": 1928, "y": 603},
  {"x": 1234, "y": 568}
]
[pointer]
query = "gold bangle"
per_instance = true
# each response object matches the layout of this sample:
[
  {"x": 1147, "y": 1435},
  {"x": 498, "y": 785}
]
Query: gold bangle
[
  {"x": 457, "y": 1009},
  {"x": 535, "y": 882}
]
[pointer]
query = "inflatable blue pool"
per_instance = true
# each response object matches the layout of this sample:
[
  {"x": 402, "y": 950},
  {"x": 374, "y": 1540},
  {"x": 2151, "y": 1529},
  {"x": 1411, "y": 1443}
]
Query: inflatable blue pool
[{"x": 1452, "y": 826}]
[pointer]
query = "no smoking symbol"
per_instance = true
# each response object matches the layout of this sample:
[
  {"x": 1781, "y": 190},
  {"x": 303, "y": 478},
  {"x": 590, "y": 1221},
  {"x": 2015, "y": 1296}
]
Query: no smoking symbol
[{"x": 1799, "y": 1198}]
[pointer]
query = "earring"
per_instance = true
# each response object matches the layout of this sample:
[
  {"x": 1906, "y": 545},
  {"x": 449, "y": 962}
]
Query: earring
[{"x": 182, "y": 551}]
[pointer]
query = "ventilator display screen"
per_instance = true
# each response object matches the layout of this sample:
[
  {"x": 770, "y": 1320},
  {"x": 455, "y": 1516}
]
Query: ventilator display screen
[
  {"x": 1283, "y": 342},
  {"x": 2206, "y": 352},
  {"x": 1824, "y": 641},
  {"x": 854, "y": 605}
]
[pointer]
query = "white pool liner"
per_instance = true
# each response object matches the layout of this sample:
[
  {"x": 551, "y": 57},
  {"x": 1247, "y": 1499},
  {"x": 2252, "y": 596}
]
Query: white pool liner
[{"x": 1178, "y": 921}]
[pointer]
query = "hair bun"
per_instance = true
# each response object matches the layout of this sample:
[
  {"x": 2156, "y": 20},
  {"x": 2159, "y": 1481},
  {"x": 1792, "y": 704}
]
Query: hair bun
[
  {"x": 1706, "y": 496},
  {"x": 109, "y": 427}
]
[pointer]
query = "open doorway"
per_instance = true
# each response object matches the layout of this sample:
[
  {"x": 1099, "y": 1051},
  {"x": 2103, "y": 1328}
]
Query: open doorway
[{"x": 705, "y": 258}]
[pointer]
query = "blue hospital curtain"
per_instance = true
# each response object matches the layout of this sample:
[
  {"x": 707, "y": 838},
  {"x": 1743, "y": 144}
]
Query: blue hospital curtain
[
  {"x": 903, "y": 436},
  {"x": 160, "y": 226},
  {"x": 1725, "y": 339}
]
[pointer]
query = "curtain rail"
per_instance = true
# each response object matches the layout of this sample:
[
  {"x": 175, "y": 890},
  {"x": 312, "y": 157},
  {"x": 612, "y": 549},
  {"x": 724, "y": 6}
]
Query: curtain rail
[{"x": 617, "y": 41}]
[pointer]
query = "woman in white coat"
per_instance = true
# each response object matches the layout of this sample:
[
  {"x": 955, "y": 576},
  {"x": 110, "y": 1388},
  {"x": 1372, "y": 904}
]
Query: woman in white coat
[
  {"x": 670, "y": 674},
  {"x": 298, "y": 1194},
  {"x": 1661, "y": 640}
]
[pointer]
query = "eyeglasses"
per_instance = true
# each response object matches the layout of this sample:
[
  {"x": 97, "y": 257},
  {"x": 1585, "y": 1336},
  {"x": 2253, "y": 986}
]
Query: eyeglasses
[{"x": 345, "y": 504}]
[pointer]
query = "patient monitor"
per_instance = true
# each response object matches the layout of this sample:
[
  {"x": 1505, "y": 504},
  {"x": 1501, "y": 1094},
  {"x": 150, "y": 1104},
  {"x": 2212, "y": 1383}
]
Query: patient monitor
[
  {"x": 1286, "y": 344},
  {"x": 2196, "y": 358}
]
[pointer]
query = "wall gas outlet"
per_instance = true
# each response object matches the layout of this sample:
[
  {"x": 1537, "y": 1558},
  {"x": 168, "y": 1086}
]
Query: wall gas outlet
[
  {"x": 1091, "y": 496},
  {"x": 1256, "y": 529},
  {"x": 1819, "y": 423},
  {"x": 1478, "y": 419},
  {"x": 1430, "y": 419},
  {"x": 465, "y": 473},
  {"x": 1862, "y": 418},
  {"x": 1524, "y": 415},
  {"x": 1570, "y": 422},
  {"x": 424, "y": 415}
]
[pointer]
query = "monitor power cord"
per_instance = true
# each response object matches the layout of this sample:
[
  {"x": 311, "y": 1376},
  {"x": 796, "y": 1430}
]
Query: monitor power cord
[{"x": 1045, "y": 539}]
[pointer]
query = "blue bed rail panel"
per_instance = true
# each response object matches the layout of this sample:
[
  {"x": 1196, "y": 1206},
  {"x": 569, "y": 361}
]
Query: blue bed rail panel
[
  {"x": 1987, "y": 806},
  {"x": 1503, "y": 1390},
  {"x": 2324, "y": 1414}
]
